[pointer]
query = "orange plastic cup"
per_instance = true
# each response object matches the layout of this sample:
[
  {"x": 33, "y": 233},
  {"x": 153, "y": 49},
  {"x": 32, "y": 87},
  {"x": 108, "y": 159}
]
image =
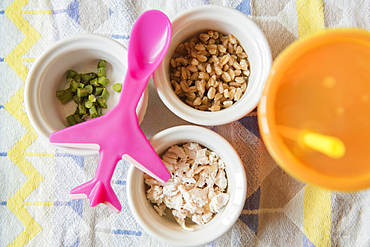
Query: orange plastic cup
[{"x": 321, "y": 83}]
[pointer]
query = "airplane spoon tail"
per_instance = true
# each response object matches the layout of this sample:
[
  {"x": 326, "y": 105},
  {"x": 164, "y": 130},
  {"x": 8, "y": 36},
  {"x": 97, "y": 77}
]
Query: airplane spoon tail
[{"x": 97, "y": 192}]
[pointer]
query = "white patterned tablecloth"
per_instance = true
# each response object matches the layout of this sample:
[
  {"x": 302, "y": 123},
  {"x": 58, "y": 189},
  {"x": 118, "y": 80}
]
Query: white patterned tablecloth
[{"x": 35, "y": 208}]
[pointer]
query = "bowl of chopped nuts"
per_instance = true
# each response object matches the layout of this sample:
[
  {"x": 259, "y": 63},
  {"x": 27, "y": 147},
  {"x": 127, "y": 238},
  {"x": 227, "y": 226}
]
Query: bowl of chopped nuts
[
  {"x": 204, "y": 196},
  {"x": 216, "y": 67},
  {"x": 72, "y": 81}
]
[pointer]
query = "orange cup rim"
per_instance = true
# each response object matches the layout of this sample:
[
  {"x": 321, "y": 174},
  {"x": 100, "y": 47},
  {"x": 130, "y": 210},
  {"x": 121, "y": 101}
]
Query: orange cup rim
[{"x": 267, "y": 123}]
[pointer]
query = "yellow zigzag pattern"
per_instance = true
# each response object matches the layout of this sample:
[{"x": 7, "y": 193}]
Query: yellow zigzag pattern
[
  {"x": 317, "y": 201},
  {"x": 14, "y": 107},
  {"x": 310, "y": 16}
]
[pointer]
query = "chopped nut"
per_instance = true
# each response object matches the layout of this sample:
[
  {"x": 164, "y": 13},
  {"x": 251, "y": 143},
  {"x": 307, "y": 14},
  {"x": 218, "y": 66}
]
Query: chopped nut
[
  {"x": 224, "y": 60},
  {"x": 215, "y": 35},
  {"x": 232, "y": 93},
  {"x": 192, "y": 89},
  {"x": 238, "y": 94},
  {"x": 218, "y": 96},
  {"x": 189, "y": 102},
  {"x": 212, "y": 67},
  {"x": 184, "y": 86},
  {"x": 200, "y": 47},
  {"x": 184, "y": 75},
  {"x": 213, "y": 51},
  {"x": 193, "y": 53},
  {"x": 232, "y": 39},
  {"x": 192, "y": 68},
  {"x": 209, "y": 68},
  {"x": 239, "y": 79},
  {"x": 243, "y": 64},
  {"x": 237, "y": 72},
  {"x": 205, "y": 100},
  {"x": 211, "y": 93},
  {"x": 227, "y": 103},
  {"x": 194, "y": 76},
  {"x": 239, "y": 49},
  {"x": 218, "y": 69},
  {"x": 202, "y": 58},
  {"x": 204, "y": 37},
  {"x": 230, "y": 48},
  {"x": 190, "y": 95},
  {"x": 235, "y": 84},
  {"x": 215, "y": 59},
  {"x": 214, "y": 108},
  {"x": 203, "y": 75},
  {"x": 202, "y": 107},
  {"x": 177, "y": 73},
  {"x": 201, "y": 85},
  {"x": 180, "y": 47},
  {"x": 197, "y": 101},
  {"x": 231, "y": 73},
  {"x": 194, "y": 62},
  {"x": 226, "y": 77},
  {"x": 242, "y": 55},
  {"x": 243, "y": 87},
  {"x": 221, "y": 48},
  {"x": 201, "y": 67}
]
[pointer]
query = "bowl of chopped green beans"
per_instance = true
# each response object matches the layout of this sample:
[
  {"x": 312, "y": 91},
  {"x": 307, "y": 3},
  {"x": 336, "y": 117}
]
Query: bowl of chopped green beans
[{"x": 76, "y": 79}]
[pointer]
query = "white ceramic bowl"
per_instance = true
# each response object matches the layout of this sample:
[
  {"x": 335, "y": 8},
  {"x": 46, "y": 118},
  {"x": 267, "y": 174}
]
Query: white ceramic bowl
[
  {"x": 227, "y": 21},
  {"x": 47, "y": 75},
  {"x": 165, "y": 228}
]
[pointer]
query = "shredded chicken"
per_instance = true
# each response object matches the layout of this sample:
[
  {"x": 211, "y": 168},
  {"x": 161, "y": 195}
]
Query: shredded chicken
[{"x": 197, "y": 187}]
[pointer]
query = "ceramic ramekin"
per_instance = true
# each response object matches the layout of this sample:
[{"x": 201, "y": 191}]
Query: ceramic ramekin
[
  {"x": 227, "y": 21},
  {"x": 165, "y": 228},
  {"x": 48, "y": 74}
]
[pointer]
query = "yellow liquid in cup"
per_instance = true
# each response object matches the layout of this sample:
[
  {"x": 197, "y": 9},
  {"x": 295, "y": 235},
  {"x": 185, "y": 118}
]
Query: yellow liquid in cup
[{"x": 327, "y": 90}]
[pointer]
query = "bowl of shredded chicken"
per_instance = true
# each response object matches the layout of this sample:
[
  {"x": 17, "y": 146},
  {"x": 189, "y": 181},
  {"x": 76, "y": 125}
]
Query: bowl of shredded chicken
[
  {"x": 203, "y": 197},
  {"x": 197, "y": 187}
]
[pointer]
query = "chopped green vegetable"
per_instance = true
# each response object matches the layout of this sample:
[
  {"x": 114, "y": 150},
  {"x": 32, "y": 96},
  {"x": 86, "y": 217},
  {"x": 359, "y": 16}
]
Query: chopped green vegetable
[
  {"x": 94, "y": 82},
  {"x": 93, "y": 112},
  {"x": 64, "y": 95},
  {"x": 102, "y": 63},
  {"x": 103, "y": 81},
  {"x": 71, "y": 74},
  {"x": 98, "y": 91},
  {"x": 77, "y": 78},
  {"x": 92, "y": 98},
  {"x": 88, "y": 104},
  {"x": 102, "y": 72},
  {"x": 82, "y": 92},
  {"x": 76, "y": 111},
  {"x": 117, "y": 87},
  {"x": 77, "y": 99},
  {"x": 105, "y": 94},
  {"x": 99, "y": 110},
  {"x": 73, "y": 84},
  {"x": 77, "y": 118},
  {"x": 88, "y": 92},
  {"x": 85, "y": 78},
  {"x": 82, "y": 108},
  {"x": 70, "y": 119},
  {"x": 90, "y": 88},
  {"x": 102, "y": 102}
]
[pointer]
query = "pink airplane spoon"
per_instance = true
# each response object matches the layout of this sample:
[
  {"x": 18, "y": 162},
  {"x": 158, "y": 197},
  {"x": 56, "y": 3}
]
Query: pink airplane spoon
[{"x": 118, "y": 133}]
